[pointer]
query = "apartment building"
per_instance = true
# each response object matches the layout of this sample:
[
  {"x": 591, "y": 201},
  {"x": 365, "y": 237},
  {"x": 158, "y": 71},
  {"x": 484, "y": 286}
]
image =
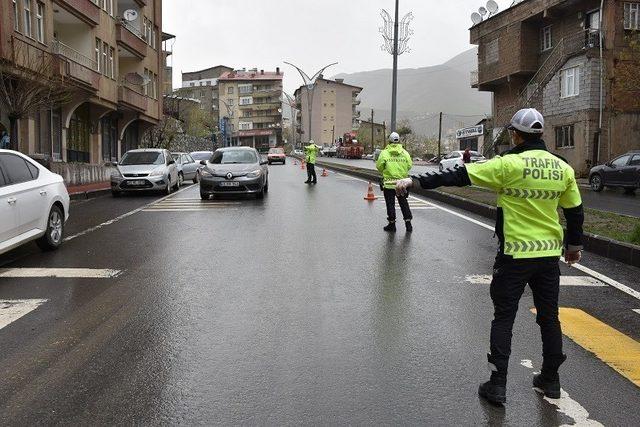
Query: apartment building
[
  {"x": 203, "y": 86},
  {"x": 333, "y": 110},
  {"x": 167, "y": 51},
  {"x": 548, "y": 54},
  {"x": 250, "y": 105},
  {"x": 108, "y": 53}
]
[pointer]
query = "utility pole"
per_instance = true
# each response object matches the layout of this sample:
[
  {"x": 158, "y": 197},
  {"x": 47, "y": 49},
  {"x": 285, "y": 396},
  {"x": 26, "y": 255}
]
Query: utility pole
[
  {"x": 373, "y": 145},
  {"x": 333, "y": 135},
  {"x": 440, "y": 137}
]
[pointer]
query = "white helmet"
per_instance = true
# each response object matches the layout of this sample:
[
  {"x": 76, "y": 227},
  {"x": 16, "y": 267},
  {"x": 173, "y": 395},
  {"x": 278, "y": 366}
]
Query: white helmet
[
  {"x": 394, "y": 137},
  {"x": 528, "y": 120},
  {"x": 311, "y": 142}
]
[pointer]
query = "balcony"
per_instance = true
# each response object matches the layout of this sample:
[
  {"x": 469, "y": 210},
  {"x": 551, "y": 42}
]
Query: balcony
[
  {"x": 131, "y": 98},
  {"x": 131, "y": 39},
  {"x": 356, "y": 101},
  {"x": 357, "y": 113},
  {"x": 86, "y": 10},
  {"x": 81, "y": 69}
]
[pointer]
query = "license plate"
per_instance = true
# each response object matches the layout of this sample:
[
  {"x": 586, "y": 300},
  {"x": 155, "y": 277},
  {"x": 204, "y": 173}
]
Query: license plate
[
  {"x": 230, "y": 184},
  {"x": 137, "y": 183}
]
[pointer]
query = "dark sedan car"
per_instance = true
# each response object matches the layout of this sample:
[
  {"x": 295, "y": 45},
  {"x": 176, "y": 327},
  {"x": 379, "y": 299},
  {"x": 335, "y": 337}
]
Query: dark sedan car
[
  {"x": 623, "y": 171},
  {"x": 234, "y": 170}
]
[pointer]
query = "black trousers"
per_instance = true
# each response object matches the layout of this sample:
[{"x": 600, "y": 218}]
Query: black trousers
[
  {"x": 509, "y": 280},
  {"x": 311, "y": 173},
  {"x": 403, "y": 201}
]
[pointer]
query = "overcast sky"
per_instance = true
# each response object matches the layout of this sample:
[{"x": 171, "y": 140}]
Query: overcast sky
[{"x": 311, "y": 34}]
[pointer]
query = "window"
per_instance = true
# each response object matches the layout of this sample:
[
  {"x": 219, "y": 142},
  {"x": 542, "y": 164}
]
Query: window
[
  {"x": 246, "y": 114},
  {"x": 208, "y": 83},
  {"x": 192, "y": 84},
  {"x": 635, "y": 160},
  {"x": 109, "y": 139},
  {"x": 97, "y": 54},
  {"x": 230, "y": 102},
  {"x": 246, "y": 100},
  {"x": 564, "y": 136},
  {"x": 245, "y": 125},
  {"x": 16, "y": 16},
  {"x": 27, "y": 17},
  {"x": 105, "y": 58},
  {"x": 78, "y": 136},
  {"x": 621, "y": 161},
  {"x": 632, "y": 16},
  {"x": 247, "y": 88},
  {"x": 570, "y": 82},
  {"x": 40, "y": 22},
  {"x": 15, "y": 168},
  {"x": 112, "y": 69},
  {"x": 230, "y": 90},
  {"x": 546, "y": 38}
]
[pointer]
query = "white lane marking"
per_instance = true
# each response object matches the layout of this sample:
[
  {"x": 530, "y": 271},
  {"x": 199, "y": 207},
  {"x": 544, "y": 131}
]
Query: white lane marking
[
  {"x": 123, "y": 216},
  {"x": 636, "y": 310},
  {"x": 609, "y": 281},
  {"x": 566, "y": 405},
  {"x": 12, "y": 310},
  {"x": 577, "y": 281},
  {"x": 64, "y": 273}
]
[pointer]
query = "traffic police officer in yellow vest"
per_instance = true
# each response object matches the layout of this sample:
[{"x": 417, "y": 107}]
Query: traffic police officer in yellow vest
[
  {"x": 531, "y": 184},
  {"x": 311, "y": 152},
  {"x": 394, "y": 163}
]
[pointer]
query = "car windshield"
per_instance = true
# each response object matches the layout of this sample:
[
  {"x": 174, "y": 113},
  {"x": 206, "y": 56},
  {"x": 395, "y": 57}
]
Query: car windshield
[
  {"x": 231, "y": 157},
  {"x": 142, "y": 158},
  {"x": 204, "y": 155},
  {"x": 175, "y": 156},
  {"x": 276, "y": 151}
]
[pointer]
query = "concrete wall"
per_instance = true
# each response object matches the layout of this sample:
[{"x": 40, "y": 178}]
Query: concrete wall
[{"x": 80, "y": 174}]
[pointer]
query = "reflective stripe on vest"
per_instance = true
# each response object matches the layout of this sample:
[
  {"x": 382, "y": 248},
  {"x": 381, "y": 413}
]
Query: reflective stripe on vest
[
  {"x": 533, "y": 246},
  {"x": 531, "y": 194}
]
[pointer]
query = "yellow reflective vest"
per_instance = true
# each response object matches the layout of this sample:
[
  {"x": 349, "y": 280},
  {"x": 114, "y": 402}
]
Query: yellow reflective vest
[
  {"x": 531, "y": 185},
  {"x": 394, "y": 163},
  {"x": 311, "y": 151}
]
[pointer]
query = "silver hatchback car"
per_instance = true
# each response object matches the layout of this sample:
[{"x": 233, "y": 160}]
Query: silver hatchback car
[
  {"x": 234, "y": 170},
  {"x": 145, "y": 170}
]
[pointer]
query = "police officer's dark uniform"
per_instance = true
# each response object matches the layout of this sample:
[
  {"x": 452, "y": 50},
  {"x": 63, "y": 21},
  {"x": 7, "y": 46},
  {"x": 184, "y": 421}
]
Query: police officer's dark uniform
[{"x": 531, "y": 183}]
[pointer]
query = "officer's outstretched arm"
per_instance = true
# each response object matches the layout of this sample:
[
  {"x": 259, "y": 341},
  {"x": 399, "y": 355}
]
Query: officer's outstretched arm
[
  {"x": 571, "y": 204},
  {"x": 450, "y": 178}
]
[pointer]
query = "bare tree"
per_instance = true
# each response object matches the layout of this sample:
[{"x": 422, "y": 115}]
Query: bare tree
[
  {"x": 626, "y": 84},
  {"x": 29, "y": 83},
  {"x": 162, "y": 135}
]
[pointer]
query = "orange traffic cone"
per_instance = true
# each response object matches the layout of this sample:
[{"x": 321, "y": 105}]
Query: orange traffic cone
[
  {"x": 324, "y": 172},
  {"x": 370, "y": 194}
]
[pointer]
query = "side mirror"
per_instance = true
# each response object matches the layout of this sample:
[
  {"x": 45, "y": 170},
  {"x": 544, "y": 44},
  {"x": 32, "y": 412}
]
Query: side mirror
[
  {"x": 171, "y": 162},
  {"x": 203, "y": 162},
  {"x": 263, "y": 162},
  {"x": 114, "y": 164}
]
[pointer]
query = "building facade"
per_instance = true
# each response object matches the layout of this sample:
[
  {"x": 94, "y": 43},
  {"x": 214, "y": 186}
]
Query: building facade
[
  {"x": 108, "y": 52},
  {"x": 250, "y": 105},
  {"x": 372, "y": 135},
  {"x": 334, "y": 110},
  {"x": 203, "y": 86},
  {"x": 548, "y": 54}
]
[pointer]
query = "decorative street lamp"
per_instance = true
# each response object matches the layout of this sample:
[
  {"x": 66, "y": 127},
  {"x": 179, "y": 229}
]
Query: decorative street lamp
[
  {"x": 310, "y": 83},
  {"x": 396, "y": 35}
]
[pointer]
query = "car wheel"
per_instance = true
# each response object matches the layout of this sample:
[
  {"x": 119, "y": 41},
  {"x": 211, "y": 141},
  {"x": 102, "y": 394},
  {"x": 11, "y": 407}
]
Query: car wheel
[
  {"x": 196, "y": 179},
  {"x": 169, "y": 189},
  {"x": 180, "y": 179},
  {"x": 596, "y": 183},
  {"x": 266, "y": 187},
  {"x": 204, "y": 196},
  {"x": 52, "y": 238}
]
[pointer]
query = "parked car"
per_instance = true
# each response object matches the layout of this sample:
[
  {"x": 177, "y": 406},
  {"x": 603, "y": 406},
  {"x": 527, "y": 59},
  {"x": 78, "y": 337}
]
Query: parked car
[
  {"x": 234, "y": 170},
  {"x": 276, "y": 155},
  {"x": 199, "y": 156},
  {"x": 149, "y": 169},
  {"x": 34, "y": 203},
  {"x": 623, "y": 171},
  {"x": 187, "y": 168},
  {"x": 454, "y": 159}
]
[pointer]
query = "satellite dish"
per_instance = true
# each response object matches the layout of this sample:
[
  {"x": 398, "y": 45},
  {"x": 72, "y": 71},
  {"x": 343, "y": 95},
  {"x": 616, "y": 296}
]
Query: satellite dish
[
  {"x": 492, "y": 6},
  {"x": 482, "y": 11},
  {"x": 476, "y": 18},
  {"x": 130, "y": 15}
]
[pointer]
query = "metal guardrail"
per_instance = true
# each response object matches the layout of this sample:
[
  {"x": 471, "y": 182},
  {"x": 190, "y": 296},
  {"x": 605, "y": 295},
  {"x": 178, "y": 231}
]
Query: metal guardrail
[
  {"x": 71, "y": 54},
  {"x": 136, "y": 31}
]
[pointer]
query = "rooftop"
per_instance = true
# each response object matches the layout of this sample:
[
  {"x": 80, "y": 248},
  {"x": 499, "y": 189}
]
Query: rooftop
[{"x": 251, "y": 75}]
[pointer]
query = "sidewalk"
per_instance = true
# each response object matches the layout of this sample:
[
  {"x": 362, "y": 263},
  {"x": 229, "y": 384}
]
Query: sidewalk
[{"x": 88, "y": 191}]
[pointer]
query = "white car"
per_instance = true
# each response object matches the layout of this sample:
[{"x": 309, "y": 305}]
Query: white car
[
  {"x": 34, "y": 203},
  {"x": 145, "y": 169},
  {"x": 454, "y": 159}
]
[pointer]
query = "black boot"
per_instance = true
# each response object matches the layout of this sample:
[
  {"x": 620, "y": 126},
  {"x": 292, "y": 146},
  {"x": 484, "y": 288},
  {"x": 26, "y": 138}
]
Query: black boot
[
  {"x": 548, "y": 381},
  {"x": 494, "y": 391},
  {"x": 307, "y": 182},
  {"x": 390, "y": 228},
  {"x": 409, "y": 227}
]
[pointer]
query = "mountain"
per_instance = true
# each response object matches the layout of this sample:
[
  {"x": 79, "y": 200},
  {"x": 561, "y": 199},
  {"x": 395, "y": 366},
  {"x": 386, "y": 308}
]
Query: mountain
[{"x": 424, "y": 92}]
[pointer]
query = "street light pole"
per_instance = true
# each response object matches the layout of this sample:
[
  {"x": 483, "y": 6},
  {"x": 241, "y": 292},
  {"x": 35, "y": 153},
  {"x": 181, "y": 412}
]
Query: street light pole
[
  {"x": 226, "y": 127},
  {"x": 310, "y": 83},
  {"x": 396, "y": 34},
  {"x": 292, "y": 102}
]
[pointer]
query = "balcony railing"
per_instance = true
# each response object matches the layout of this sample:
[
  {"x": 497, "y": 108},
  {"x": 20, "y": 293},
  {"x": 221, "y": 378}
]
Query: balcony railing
[
  {"x": 130, "y": 37},
  {"x": 59, "y": 48},
  {"x": 132, "y": 98},
  {"x": 474, "y": 78}
]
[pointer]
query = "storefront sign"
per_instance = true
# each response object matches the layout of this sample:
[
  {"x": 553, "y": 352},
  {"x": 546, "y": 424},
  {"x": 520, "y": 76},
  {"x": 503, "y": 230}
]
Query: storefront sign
[{"x": 470, "y": 132}]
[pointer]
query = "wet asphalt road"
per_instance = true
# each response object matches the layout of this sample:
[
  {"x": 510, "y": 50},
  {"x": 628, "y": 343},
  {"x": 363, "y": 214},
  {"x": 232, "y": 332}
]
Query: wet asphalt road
[
  {"x": 293, "y": 310},
  {"x": 609, "y": 200}
]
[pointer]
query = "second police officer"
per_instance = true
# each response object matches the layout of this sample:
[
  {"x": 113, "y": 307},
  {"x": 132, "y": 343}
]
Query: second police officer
[
  {"x": 394, "y": 163},
  {"x": 531, "y": 184}
]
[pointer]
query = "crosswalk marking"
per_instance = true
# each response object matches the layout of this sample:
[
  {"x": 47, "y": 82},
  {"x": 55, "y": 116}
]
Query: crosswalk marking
[
  {"x": 189, "y": 205},
  {"x": 63, "y": 273},
  {"x": 12, "y": 310},
  {"x": 577, "y": 281},
  {"x": 614, "y": 348}
]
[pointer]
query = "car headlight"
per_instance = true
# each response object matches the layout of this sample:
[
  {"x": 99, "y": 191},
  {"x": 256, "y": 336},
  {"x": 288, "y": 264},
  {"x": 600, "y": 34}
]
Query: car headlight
[
  {"x": 157, "y": 172},
  {"x": 255, "y": 174},
  {"x": 116, "y": 174},
  {"x": 206, "y": 172}
]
